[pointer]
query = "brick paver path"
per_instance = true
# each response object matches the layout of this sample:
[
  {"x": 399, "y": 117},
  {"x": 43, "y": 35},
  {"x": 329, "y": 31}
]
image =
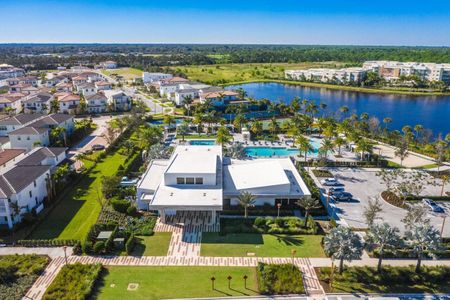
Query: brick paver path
[{"x": 39, "y": 287}]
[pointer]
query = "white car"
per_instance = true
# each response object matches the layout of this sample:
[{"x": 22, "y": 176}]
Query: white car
[{"x": 329, "y": 182}]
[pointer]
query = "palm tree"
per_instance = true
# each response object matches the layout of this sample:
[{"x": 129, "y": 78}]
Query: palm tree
[
  {"x": 304, "y": 145},
  {"x": 363, "y": 146},
  {"x": 15, "y": 212},
  {"x": 418, "y": 129},
  {"x": 343, "y": 244},
  {"x": 187, "y": 102},
  {"x": 382, "y": 237},
  {"x": 168, "y": 120},
  {"x": 237, "y": 151},
  {"x": 323, "y": 106},
  {"x": 423, "y": 240},
  {"x": 256, "y": 128},
  {"x": 239, "y": 120},
  {"x": 246, "y": 199},
  {"x": 339, "y": 142},
  {"x": 445, "y": 179},
  {"x": 326, "y": 146},
  {"x": 198, "y": 120},
  {"x": 223, "y": 135},
  {"x": 386, "y": 121},
  {"x": 295, "y": 105},
  {"x": 274, "y": 126},
  {"x": 183, "y": 129},
  {"x": 308, "y": 203}
]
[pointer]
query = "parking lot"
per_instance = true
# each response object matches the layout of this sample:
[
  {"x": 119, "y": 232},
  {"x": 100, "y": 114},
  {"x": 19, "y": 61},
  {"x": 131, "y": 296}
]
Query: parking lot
[{"x": 364, "y": 184}]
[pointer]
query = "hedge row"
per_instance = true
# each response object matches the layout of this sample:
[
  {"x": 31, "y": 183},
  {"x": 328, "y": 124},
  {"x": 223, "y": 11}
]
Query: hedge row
[{"x": 47, "y": 243}]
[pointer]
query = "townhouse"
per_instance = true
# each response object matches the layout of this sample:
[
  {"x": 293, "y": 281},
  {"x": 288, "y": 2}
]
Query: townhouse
[
  {"x": 117, "y": 100},
  {"x": 37, "y": 103},
  {"x": 97, "y": 103},
  {"x": 148, "y": 77},
  {"x": 345, "y": 75},
  {"x": 29, "y": 137},
  {"x": 8, "y": 71},
  {"x": 12, "y": 102},
  {"x": 219, "y": 98}
]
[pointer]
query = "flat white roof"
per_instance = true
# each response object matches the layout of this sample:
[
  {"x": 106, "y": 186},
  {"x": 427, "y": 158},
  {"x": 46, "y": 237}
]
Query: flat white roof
[
  {"x": 195, "y": 160},
  {"x": 257, "y": 174},
  {"x": 152, "y": 178}
]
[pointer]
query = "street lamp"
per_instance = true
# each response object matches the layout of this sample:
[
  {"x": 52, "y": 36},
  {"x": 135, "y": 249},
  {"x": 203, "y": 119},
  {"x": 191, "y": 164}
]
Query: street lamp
[
  {"x": 212, "y": 281},
  {"x": 245, "y": 281},
  {"x": 278, "y": 206},
  {"x": 65, "y": 254},
  {"x": 443, "y": 224},
  {"x": 229, "y": 281},
  {"x": 293, "y": 252}
]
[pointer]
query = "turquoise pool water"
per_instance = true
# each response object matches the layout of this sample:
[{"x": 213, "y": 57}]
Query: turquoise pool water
[
  {"x": 202, "y": 142},
  {"x": 267, "y": 151}
]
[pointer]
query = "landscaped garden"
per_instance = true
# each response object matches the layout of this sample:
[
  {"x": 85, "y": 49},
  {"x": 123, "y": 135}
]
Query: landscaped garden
[
  {"x": 18, "y": 273},
  {"x": 389, "y": 280},
  {"x": 73, "y": 282},
  {"x": 254, "y": 244},
  {"x": 155, "y": 245},
  {"x": 175, "y": 282}
]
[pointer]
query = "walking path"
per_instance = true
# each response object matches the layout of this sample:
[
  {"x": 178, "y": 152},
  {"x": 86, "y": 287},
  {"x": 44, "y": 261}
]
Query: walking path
[{"x": 39, "y": 287}]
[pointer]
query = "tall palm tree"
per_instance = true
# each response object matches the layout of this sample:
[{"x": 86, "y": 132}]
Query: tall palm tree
[
  {"x": 326, "y": 146},
  {"x": 223, "y": 135},
  {"x": 364, "y": 146},
  {"x": 418, "y": 130},
  {"x": 274, "y": 127},
  {"x": 304, "y": 145},
  {"x": 187, "y": 102},
  {"x": 308, "y": 204},
  {"x": 198, "y": 120},
  {"x": 339, "y": 142},
  {"x": 246, "y": 199}
]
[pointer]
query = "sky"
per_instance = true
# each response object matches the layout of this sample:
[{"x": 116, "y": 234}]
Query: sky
[{"x": 327, "y": 22}]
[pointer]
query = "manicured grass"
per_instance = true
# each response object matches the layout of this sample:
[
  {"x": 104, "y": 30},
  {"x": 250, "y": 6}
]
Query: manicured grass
[
  {"x": 73, "y": 282},
  {"x": 79, "y": 209},
  {"x": 126, "y": 73},
  {"x": 155, "y": 245},
  {"x": 176, "y": 282},
  {"x": 227, "y": 73},
  {"x": 262, "y": 245},
  {"x": 391, "y": 280}
]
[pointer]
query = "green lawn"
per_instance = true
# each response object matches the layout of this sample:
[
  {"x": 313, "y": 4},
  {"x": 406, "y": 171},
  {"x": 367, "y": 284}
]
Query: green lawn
[
  {"x": 126, "y": 73},
  {"x": 155, "y": 245},
  {"x": 261, "y": 245},
  {"x": 175, "y": 282},
  {"x": 391, "y": 280},
  {"x": 79, "y": 209}
]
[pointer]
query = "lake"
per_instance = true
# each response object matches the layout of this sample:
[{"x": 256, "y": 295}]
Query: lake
[{"x": 432, "y": 112}]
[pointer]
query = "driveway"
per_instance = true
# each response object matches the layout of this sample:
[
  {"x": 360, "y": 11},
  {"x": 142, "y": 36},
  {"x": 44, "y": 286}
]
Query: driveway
[{"x": 364, "y": 184}]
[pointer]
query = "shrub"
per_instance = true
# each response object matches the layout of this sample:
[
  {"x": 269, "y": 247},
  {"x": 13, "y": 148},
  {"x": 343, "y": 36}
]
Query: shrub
[
  {"x": 99, "y": 247},
  {"x": 7, "y": 273},
  {"x": 120, "y": 205},
  {"x": 77, "y": 249},
  {"x": 280, "y": 279},
  {"x": 73, "y": 282},
  {"x": 131, "y": 210},
  {"x": 129, "y": 245},
  {"x": 260, "y": 222},
  {"x": 87, "y": 247}
]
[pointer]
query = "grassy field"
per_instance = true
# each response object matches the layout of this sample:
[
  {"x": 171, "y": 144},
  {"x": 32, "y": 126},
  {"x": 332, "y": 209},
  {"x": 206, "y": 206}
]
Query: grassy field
[
  {"x": 155, "y": 245},
  {"x": 79, "y": 209},
  {"x": 391, "y": 280},
  {"x": 126, "y": 73},
  {"x": 262, "y": 245},
  {"x": 175, "y": 282},
  {"x": 228, "y": 73}
]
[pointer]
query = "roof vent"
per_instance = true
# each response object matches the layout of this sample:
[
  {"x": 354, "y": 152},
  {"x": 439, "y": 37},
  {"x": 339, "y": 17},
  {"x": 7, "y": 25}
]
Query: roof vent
[
  {"x": 204, "y": 194},
  {"x": 171, "y": 194}
]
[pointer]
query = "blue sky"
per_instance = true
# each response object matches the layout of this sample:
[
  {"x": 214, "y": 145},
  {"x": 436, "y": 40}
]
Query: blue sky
[{"x": 376, "y": 22}]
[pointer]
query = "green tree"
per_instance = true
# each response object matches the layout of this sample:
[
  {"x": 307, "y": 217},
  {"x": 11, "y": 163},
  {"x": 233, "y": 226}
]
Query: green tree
[
  {"x": 304, "y": 145},
  {"x": 246, "y": 199},
  {"x": 308, "y": 204},
  {"x": 423, "y": 240},
  {"x": 343, "y": 244},
  {"x": 382, "y": 237},
  {"x": 223, "y": 135}
]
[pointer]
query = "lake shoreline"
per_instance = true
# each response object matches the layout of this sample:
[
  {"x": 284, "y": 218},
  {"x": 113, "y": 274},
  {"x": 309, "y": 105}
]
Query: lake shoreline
[{"x": 339, "y": 87}]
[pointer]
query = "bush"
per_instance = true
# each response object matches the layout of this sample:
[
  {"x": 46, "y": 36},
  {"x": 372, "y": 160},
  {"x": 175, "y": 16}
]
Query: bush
[
  {"x": 129, "y": 245},
  {"x": 260, "y": 222},
  {"x": 131, "y": 210},
  {"x": 280, "y": 279},
  {"x": 7, "y": 273},
  {"x": 120, "y": 205},
  {"x": 73, "y": 282},
  {"x": 87, "y": 247},
  {"x": 77, "y": 249},
  {"x": 99, "y": 247}
]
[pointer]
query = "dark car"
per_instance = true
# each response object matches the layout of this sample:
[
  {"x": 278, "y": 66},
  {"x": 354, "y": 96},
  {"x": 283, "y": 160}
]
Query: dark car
[
  {"x": 433, "y": 205},
  {"x": 334, "y": 190},
  {"x": 97, "y": 147},
  {"x": 342, "y": 196}
]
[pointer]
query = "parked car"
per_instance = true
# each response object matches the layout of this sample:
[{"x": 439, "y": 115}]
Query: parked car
[
  {"x": 330, "y": 182},
  {"x": 97, "y": 147},
  {"x": 432, "y": 205},
  {"x": 342, "y": 196},
  {"x": 333, "y": 190}
]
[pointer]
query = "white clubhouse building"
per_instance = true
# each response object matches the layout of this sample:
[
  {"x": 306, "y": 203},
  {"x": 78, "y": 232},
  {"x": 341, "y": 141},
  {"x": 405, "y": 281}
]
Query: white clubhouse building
[{"x": 199, "y": 178}]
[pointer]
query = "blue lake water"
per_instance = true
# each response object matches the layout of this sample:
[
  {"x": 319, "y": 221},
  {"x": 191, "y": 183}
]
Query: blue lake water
[{"x": 432, "y": 112}]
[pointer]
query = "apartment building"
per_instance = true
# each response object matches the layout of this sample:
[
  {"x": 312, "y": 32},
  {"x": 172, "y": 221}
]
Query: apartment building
[{"x": 344, "y": 75}]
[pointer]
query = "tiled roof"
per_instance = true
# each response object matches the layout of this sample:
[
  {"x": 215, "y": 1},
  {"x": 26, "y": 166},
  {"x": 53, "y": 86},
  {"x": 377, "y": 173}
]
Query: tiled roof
[
  {"x": 9, "y": 154},
  {"x": 28, "y": 130},
  {"x": 35, "y": 158},
  {"x": 20, "y": 119},
  {"x": 18, "y": 178}
]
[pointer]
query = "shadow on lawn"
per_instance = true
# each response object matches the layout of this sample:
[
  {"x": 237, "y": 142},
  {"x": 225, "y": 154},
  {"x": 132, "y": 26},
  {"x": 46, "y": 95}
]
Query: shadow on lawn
[
  {"x": 69, "y": 204},
  {"x": 289, "y": 240},
  {"x": 233, "y": 238}
]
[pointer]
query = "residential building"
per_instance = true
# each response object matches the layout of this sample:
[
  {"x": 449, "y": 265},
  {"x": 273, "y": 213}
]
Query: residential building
[
  {"x": 118, "y": 100},
  {"x": 155, "y": 77},
  {"x": 108, "y": 64},
  {"x": 97, "y": 103},
  {"x": 29, "y": 137},
  {"x": 43, "y": 156},
  {"x": 12, "y": 102},
  {"x": 55, "y": 120},
  {"x": 24, "y": 187},
  {"x": 103, "y": 85},
  {"x": 86, "y": 89},
  {"x": 9, "y": 157},
  {"x": 198, "y": 178},
  {"x": 219, "y": 98},
  {"x": 15, "y": 122},
  {"x": 69, "y": 103},
  {"x": 64, "y": 87},
  {"x": 8, "y": 71},
  {"x": 37, "y": 103},
  {"x": 345, "y": 75}
]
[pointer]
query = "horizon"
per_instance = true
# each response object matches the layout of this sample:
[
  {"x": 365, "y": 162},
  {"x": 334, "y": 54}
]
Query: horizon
[{"x": 403, "y": 23}]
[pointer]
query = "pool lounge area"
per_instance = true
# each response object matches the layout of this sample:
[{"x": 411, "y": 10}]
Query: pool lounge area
[
  {"x": 279, "y": 151},
  {"x": 202, "y": 142}
]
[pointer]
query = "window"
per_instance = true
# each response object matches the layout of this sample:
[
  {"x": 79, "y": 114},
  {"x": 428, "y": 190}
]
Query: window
[
  {"x": 31, "y": 194},
  {"x": 19, "y": 138},
  {"x": 199, "y": 180},
  {"x": 34, "y": 182},
  {"x": 190, "y": 180},
  {"x": 180, "y": 180}
]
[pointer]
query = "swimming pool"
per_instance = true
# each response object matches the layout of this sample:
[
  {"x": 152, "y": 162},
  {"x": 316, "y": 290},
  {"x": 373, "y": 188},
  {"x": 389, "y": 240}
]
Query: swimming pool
[
  {"x": 267, "y": 151},
  {"x": 202, "y": 142}
]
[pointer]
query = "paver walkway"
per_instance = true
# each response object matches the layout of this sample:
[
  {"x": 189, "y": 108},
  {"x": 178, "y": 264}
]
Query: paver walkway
[{"x": 39, "y": 287}]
